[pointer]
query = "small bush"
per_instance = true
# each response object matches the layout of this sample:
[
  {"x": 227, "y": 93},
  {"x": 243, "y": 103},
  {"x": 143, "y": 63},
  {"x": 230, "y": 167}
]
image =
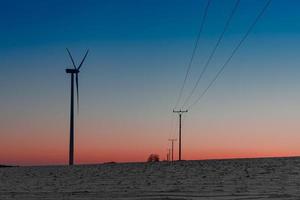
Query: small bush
[{"x": 153, "y": 158}]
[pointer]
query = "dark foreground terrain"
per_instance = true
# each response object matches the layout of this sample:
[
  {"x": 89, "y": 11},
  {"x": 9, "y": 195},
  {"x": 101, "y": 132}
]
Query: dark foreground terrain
[{"x": 268, "y": 178}]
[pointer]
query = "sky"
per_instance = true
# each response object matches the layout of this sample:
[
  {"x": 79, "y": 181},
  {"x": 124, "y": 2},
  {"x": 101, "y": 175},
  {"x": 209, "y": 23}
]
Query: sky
[{"x": 129, "y": 84}]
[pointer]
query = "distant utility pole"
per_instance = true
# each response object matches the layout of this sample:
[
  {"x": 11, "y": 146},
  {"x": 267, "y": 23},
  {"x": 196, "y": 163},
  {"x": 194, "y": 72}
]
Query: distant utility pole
[
  {"x": 168, "y": 154},
  {"x": 172, "y": 140},
  {"x": 180, "y": 112}
]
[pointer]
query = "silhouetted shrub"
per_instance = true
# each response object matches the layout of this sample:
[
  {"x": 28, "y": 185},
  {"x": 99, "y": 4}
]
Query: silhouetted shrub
[
  {"x": 109, "y": 163},
  {"x": 153, "y": 158}
]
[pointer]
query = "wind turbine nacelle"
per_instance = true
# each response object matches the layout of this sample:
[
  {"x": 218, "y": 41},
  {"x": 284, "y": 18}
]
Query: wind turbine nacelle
[{"x": 72, "y": 71}]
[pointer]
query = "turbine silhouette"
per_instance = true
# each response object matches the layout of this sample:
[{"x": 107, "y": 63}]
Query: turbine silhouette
[{"x": 73, "y": 72}]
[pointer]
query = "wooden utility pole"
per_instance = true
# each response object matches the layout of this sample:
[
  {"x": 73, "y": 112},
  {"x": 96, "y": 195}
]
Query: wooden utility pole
[
  {"x": 172, "y": 141},
  {"x": 168, "y": 154},
  {"x": 180, "y": 112}
]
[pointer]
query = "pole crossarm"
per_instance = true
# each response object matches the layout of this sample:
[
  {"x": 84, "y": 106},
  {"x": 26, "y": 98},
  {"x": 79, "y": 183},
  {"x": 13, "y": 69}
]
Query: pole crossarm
[{"x": 180, "y": 111}]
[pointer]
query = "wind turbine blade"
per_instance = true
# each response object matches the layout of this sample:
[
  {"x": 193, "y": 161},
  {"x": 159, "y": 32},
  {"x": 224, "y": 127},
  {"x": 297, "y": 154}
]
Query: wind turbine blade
[
  {"x": 77, "y": 91},
  {"x": 83, "y": 59},
  {"x": 71, "y": 58}
]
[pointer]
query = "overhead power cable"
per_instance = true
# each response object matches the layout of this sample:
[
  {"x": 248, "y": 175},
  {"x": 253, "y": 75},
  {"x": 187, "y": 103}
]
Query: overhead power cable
[
  {"x": 233, "y": 11},
  {"x": 233, "y": 53},
  {"x": 194, "y": 51}
]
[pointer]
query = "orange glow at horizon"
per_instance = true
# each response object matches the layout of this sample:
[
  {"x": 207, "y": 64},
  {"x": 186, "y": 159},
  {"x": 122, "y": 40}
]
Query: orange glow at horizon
[
  {"x": 88, "y": 156},
  {"x": 115, "y": 139}
]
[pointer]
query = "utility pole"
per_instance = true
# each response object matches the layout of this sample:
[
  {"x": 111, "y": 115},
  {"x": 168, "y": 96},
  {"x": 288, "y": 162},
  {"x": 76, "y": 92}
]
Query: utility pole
[
  {"x": 172, "y": 141},
  {"x": 180, "y": 112},
  {"x": 168, "y": 154}
]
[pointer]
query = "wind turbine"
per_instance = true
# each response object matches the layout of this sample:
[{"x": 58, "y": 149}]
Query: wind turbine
[{"x": 73, "y": 72}]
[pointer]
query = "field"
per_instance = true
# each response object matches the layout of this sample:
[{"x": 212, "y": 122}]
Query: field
[{"x": 267, "y": 178}]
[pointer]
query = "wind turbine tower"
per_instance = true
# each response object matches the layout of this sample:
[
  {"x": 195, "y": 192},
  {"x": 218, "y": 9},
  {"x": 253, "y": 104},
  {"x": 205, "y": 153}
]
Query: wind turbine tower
[{"x": 73, "y": 72}]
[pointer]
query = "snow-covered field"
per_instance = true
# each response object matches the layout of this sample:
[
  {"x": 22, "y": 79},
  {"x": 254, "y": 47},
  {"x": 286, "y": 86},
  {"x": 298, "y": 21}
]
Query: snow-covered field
[{"x": 272, "y": 178}]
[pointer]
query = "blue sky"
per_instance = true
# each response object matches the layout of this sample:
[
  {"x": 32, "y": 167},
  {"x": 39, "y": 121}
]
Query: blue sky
[{"x": 139, "y": 52}]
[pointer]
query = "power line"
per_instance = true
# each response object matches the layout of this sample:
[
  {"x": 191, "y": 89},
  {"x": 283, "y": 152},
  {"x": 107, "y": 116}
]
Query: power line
[
  {"x": 212, "y": 52},
  {"x": 191, "y": 61},
  {"x": 193, "y": 52},
  {"x": 232, "y": 53}
]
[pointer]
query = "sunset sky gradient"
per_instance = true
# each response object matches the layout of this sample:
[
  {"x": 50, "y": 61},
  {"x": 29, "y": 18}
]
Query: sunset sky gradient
[{"x": 139, "y": 50}]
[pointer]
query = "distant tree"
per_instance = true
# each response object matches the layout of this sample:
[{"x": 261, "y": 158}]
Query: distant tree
[{"x": 153, "y": 158}]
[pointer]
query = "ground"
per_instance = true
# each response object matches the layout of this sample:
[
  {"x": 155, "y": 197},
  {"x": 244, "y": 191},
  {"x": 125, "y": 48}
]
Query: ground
[{"x": 268, "y": 178}]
